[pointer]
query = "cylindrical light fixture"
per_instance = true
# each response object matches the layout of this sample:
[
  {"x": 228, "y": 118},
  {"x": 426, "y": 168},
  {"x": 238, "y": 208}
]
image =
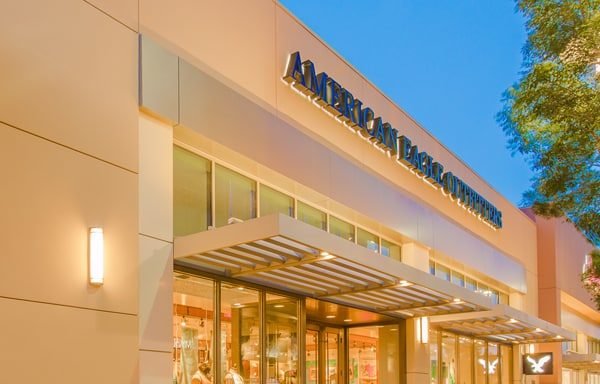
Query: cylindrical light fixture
[
  {"x": 96, "y": 256},
  {"x": 422, "y": 329}
]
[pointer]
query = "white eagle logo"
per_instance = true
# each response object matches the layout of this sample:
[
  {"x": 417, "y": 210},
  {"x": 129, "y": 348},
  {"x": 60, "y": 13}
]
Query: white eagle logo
[
  {"x": 537, "y": 366},
  {"x": 491, "y": 367}
]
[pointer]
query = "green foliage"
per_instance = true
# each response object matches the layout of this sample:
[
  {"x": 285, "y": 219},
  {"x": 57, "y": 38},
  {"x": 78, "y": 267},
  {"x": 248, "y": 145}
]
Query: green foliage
[
  {"x": 552, "y": 115},
  {"x": 591, "y": 277}
]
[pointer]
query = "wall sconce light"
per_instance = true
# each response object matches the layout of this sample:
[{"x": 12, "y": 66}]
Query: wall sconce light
[
  {"x": 422, "y": 329},
  {"x": 96, "y": 254}
]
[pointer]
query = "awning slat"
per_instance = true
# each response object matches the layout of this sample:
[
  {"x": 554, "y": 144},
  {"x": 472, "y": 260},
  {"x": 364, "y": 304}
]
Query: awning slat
[
  {"x": 504, "y": 322},
  {"x": 288, "y": 254}
]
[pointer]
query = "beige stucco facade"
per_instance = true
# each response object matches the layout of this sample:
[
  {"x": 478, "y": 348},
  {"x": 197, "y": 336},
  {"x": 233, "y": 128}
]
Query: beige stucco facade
[{"x": 95, "y": 94}]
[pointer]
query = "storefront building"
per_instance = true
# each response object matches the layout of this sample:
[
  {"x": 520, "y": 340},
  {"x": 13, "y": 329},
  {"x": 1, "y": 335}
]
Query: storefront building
[{"x": 266, "y": 216}]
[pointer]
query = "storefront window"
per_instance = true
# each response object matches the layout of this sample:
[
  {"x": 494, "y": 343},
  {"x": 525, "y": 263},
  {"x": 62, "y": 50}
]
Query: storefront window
[
  {"x": 449, "y": 364},
  {"x": 465, "y": 353},
  {"x": 240, "y": 335},
  {"x": 193, "y": 330},
  {"x": 390, "y": 249},
  {"x": 367, "y": 240},
  {"x": 505, "y": 359},
  {"x": 332, "y": 347},
  {"x": 312, "y": 216},
  {"x": 341, "y": 228},
  {"x": 312, "y": 357},
  {"x": 282, "y": 339},
  {"x": 191, "y": 192},
  {"x": 235, "y": 198},
  {"x": 481, "y": 363},
  {"x": 493, "y": 364},
  {"x": 373, "y": 355},
  {"x": 272, "y": 201},
  {"x": 503, "y": 299},
  {"x": 458, "y": 279},
  {"x": 433, "y": 356},
  {"x": 432, "y": 267}
]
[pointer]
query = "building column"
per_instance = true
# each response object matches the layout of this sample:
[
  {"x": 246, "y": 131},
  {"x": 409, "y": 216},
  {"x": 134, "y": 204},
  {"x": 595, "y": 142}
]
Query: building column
[
  {"x": 155, "y": 251},
  {"x": 417, "y": 353}
]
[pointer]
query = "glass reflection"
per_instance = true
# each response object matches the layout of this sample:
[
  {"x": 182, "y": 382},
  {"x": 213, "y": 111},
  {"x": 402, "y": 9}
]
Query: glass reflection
[
  {"x": 193, "y": 329},
  {"x": 191, "y": 192},
  {"x": 240, "y": 335},
  {"x": 282, "y": 340},
  {"x": 272, "y": 201},
  {"x": 235, "y": 198},
  {"x": 465, "y": 364},
  {"x": 433, "y": 356},
  {"x": 493, "y": 364},
  {"x": 481, "y": 364},
  {"x": 373, "y": 355},
  {"x": 448, "y": 358},
  {"x": 312, "y": 357},
  {"x": 331, "y": 374}
]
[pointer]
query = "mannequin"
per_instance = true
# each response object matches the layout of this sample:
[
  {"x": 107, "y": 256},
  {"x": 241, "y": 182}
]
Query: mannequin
[
  {"x": 233, "y": 377},
  {"x": 202, "y": 375}
]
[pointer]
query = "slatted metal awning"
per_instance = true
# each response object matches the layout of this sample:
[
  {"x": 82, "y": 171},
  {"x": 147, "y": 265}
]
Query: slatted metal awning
[
  {"x": 587, "y": 361},
  {"x": 503, "y": 324},
  {"x": 281, "y": 252}
]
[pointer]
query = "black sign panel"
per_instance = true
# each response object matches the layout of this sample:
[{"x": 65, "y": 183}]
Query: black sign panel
[{"x": 538, "y": 363}]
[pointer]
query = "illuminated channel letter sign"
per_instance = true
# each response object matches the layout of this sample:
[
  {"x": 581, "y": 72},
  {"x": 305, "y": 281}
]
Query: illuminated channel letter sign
[
  {"x": 340, "y": 103},
  {"x": 538, "y": 363}
]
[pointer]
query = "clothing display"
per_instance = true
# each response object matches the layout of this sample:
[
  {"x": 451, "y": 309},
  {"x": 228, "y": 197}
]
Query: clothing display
[
  {"x": 200, "y": 378},
  {"x": 233, "y": 377}
]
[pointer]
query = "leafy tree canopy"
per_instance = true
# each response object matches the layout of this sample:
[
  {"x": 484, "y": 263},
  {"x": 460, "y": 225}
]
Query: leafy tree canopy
[{"x": 552, "y": 115}]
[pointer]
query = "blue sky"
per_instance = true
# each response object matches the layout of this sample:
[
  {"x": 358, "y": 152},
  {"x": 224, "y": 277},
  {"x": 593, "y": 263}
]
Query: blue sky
[{"x": 445, "y": 62}]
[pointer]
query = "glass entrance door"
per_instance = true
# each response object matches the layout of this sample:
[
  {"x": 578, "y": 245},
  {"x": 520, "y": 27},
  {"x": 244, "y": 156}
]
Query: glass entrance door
[
  {"x": 324, "y": 351},
  {"x": 332, "y": 354},
  {"x": 312, "y": 357}
]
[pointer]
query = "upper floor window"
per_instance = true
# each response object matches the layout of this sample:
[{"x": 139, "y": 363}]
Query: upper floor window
[
  {"x": 458, "y": 278},
  {"x": 341, "y": 228},
  {"x": 235, "y": 197},
  {"x": 191, "y": 192},
  {"x": 272, "y": 201}
]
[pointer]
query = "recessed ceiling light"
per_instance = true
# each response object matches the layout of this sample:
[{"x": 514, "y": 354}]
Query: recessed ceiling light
[
  {"x": 324, "y": 253},
  {"x": 237, "y": 304},
  {"x": 347, "y": 320},
  {"x": 240, "y": 288},
  {"x": 513, "y": 321},
  {"x": 279, "y": 306},
  {"x": 330, "y": 316}
]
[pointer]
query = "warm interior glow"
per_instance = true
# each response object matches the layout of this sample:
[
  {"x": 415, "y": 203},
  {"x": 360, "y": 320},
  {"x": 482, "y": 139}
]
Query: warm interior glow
[{"x": 96, "y": 254}]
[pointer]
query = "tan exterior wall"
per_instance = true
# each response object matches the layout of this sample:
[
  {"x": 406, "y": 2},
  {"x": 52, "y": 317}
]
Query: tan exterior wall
[
  {"x": 562, "y": 251},
  {"x": 69, "y": 160},
  {"x": 156, "y": 251},
  {"x": 250, "y": 59}
]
